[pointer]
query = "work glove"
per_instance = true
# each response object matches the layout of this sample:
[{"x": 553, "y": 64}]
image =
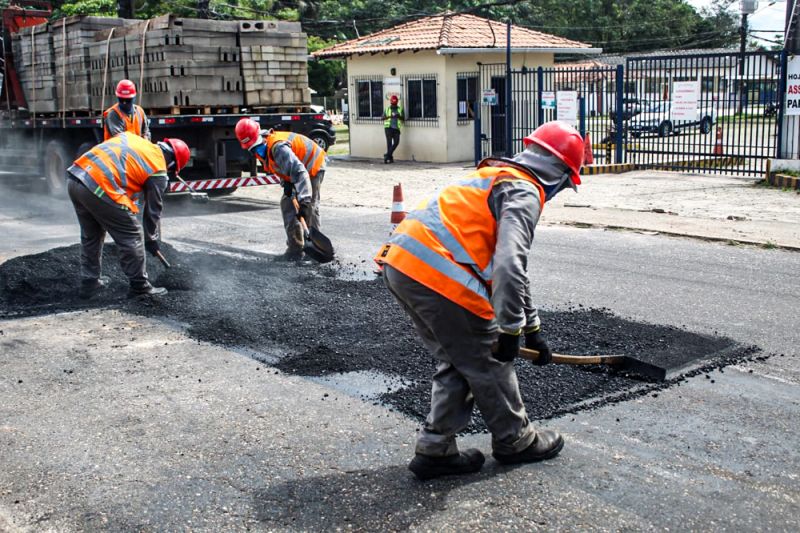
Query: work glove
[
  {"x": 535, "y": 341},
  {"x": 507, "y": 347},
  {"x": 304, "y": 210},
  {"x": 152, "y": 247},
  {"x": 288, "y": 188}
]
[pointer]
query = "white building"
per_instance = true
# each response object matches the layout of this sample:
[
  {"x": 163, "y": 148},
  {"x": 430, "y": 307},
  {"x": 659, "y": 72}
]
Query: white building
[{"x": 434, "y": 64}]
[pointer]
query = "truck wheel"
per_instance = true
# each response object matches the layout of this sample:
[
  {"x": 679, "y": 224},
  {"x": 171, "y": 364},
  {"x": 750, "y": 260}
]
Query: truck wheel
[
  {"x": 321, "y": 139},
  {"x": 665, "y": 129},
  {"x": 705, "y": 125},
  {"x": 56, "y": 161}
]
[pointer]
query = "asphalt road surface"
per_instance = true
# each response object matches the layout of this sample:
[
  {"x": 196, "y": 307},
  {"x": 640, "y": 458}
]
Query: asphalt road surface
[{"x": 112, "y": 421}]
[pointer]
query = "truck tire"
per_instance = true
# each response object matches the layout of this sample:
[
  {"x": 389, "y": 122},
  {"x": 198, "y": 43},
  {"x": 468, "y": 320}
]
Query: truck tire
[
  {"x": 56, "y": 161},
  {"x": 321, "y": 139}
]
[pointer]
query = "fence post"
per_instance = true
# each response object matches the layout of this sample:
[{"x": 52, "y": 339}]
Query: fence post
[
  {"x": 780, "y": 100},
  {"x": 618, "y": 119},
  {"x": 582, "y": 115},
  {"x": 476, "y": 123},
  {"x": 539, "y": 89},
  {"x": 509, "y": 107}
]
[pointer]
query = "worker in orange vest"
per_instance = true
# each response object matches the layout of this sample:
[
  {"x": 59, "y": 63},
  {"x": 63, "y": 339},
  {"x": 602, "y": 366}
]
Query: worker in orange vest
[
  {"x": 105, "y": 185},
  {"x": 125, "y": 115},
  {"x": 300, "y": 163},
  {"x": 458, "y": 266}
]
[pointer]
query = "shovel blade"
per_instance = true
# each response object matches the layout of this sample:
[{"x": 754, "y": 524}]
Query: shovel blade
[{"x": 318, "y": 246}]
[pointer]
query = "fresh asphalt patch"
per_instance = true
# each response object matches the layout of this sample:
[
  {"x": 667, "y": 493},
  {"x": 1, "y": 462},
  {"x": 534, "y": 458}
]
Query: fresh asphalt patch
[{"x": 351, "y": 334}]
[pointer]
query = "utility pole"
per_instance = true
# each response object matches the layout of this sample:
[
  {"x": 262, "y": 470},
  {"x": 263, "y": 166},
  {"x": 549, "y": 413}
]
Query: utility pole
[
  {"x": 125, "y": 9},
  {"x": 747, "y": 7}
]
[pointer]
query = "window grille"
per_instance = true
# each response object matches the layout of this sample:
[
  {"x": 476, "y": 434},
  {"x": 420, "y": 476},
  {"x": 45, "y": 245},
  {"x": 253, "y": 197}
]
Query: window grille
[
  {"x": 467, "y": 95},
  {"x": 421, "y": 99},
  {"x": 369, "y": 98}
]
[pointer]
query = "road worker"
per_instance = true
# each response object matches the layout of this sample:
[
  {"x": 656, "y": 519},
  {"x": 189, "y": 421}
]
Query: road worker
[
  {"x": 125, "y": 115},
  {"x": 300, "y": 163},
  {"x": 105, "y": 185},
  {"x": 458, "y": 266},
  {"x": 393, "y": 119}
]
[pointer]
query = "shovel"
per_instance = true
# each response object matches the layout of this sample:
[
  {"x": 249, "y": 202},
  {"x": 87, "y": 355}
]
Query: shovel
[
  {"x": 622, "y": 362},
  {"x": 195, "y": 196},
  {"x": 317, "y": 246}
]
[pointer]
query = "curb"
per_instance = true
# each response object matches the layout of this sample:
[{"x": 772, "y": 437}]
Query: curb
[
  {"x": 760, "y": 244},
  {"x": 684, "y": 165},
  {"x": 784, "y": 181}
]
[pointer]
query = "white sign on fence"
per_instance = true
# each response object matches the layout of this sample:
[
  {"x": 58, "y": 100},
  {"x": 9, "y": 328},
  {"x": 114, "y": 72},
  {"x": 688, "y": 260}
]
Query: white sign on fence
[
  {"x": 548, "y": 100},
  {"x": 793, "y": 86},
  {"x": 567, "y": 107},
  {"x": 685, "y": 100}
]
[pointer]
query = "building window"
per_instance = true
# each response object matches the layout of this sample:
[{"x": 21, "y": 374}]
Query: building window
[
  {"x": 370, "y": 99},
  {"x": 421, "y": 99},
  {"x": 467, "y": 95}
]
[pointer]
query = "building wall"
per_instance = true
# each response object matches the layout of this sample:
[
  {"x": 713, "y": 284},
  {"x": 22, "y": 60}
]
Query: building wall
[{"x": 445, "y": 141}]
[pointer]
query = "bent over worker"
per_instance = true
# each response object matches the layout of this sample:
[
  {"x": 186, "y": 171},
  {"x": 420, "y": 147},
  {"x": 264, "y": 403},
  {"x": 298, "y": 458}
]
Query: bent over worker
[
  {"x": 125, "y": 115},
  {"x": 458, "y": 267},
  {"x": 300, "y": 163},
  {"x": 105, "y": 184}
]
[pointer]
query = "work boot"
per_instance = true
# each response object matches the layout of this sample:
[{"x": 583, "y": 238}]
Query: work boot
[
  {"x": 291, "y": 256},
  {"x": 145, "y": 290},
  {"x": 428, "y": 467},
  {"x": 546, "y": 445},
  {"x": 90, "y": 287}
]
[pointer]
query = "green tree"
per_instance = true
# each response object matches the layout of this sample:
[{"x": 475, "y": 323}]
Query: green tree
[{"x": 325, "y": 76}]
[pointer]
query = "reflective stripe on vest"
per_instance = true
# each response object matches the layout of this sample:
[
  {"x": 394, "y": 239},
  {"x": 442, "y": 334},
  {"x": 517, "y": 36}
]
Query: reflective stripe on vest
[
  {"x": 307, "y": 151},
  {"x": 133, "y": 124},
  {"x": 448, "y": 244},
  {"x": 119, "y": 168}
]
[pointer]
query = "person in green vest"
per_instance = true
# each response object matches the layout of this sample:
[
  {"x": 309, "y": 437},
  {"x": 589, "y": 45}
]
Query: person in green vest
[{"x": 393, "y": 119}]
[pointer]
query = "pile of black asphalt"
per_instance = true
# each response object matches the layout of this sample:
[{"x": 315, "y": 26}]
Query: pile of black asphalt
[{"x": 324, "y": 325}]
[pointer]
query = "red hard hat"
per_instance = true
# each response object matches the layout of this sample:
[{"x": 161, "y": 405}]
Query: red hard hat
[
  {"x": 393, "y": 99},
  {"x": 182, "y": 153},
  {"x": 563, "y": 141},
  {"x": 248, "y": 131},
  {"x": 126, "y": 89}
]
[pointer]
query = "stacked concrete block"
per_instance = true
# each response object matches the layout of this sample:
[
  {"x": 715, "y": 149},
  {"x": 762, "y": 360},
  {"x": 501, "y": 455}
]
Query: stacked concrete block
[
  {"x": 72, "y": 38},
  {"x": 77, "y": 62},
  {"x": 33, "y": 55},
  {"x": 274, "y": 56}
]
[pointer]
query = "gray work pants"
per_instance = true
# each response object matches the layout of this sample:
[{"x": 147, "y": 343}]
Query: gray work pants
[
  {"x": 294, "y": 232},
  {"x": 96, "y": 217},
  {"x": 466, "y": 372}
]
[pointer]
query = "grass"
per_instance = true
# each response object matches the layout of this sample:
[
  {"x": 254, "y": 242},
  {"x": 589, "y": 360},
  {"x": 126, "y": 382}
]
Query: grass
[{"x": 342, "y": 145}]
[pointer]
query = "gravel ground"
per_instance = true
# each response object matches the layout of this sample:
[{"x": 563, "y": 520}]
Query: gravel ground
[{"x": 328, "y": 326}]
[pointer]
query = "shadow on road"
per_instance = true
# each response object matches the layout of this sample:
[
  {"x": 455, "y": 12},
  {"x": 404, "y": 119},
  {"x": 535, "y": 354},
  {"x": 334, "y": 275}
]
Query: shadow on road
[{"x": 385, "y": 499}]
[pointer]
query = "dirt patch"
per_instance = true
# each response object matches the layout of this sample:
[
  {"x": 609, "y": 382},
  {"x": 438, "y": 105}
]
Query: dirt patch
[{"x": 326, "y": 325}]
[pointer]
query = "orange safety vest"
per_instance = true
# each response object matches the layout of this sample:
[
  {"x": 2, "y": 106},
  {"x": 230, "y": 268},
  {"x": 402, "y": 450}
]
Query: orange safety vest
[
  {"x": 307, "y": 151},
  {"x": 134, "y": 124},
  {"x": 448, "y": 245},
  {"x": 119, "y": 168}
]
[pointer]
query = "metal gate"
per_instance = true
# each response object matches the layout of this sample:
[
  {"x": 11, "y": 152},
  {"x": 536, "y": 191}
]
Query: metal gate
[{"x": 627, "y": 111}]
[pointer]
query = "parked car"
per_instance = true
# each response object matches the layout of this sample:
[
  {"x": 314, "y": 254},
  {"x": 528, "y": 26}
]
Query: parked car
[{"x": 658, "y": 119}]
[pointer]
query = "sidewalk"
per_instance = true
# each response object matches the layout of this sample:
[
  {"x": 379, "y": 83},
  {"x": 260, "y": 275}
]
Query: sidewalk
[{"x": 702, "y": 206}]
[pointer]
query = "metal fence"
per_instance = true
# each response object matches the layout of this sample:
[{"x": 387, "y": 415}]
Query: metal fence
[{"x": 626, "y": 111}]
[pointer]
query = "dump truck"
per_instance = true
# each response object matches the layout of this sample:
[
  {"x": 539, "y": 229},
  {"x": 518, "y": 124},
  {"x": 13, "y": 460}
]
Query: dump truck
[{"x": 195, "y": 79}]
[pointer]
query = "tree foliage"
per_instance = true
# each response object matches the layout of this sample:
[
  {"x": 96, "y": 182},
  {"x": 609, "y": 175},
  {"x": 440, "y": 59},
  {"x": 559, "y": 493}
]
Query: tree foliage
[{"x": 616, "y": 26}]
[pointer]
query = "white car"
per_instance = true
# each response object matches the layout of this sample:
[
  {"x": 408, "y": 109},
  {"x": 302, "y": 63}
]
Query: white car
[{"x": 657, "y": 118}]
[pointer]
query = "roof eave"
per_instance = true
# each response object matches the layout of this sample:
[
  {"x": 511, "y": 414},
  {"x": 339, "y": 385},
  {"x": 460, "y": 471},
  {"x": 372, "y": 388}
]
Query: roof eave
[{"x": 540, "y": 50}]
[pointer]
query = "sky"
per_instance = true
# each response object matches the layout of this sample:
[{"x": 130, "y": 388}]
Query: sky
[{"x": 769, "y": 16}]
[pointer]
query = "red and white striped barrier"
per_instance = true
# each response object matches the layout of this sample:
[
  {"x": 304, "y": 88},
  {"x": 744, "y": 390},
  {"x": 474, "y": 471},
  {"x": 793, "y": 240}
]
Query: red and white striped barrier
[{"x": 226, "y": 183}]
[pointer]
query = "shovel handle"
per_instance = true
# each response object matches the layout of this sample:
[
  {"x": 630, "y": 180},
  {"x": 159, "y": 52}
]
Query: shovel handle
[
  {"x": 302, "y": 220},
  {"x": 533, "y": 355},
  {"x": 163, "y": 259}
]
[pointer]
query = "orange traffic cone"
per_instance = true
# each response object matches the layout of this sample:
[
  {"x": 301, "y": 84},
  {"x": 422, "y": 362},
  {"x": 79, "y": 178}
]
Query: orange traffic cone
[
  {"x": 718, "y": 142},
  {"x": 588, "y": 156},
  {"x": 398, "y": 213}
]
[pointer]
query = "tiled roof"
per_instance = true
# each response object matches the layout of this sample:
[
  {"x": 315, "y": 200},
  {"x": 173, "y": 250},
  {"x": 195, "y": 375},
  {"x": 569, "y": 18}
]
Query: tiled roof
[{"x": 448, "y": 31}]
